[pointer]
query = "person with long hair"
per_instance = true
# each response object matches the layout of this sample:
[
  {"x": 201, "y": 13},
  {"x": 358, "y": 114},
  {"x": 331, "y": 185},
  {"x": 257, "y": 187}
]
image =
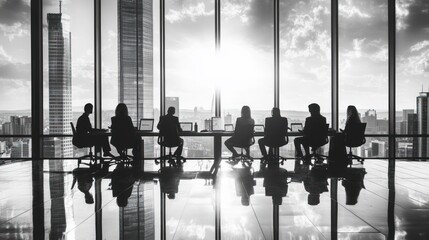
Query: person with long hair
[
  {"x": 243, "y": 132},
  {"x": 274, "y": 133},
  {"x": 123, "y": 132},
  {"x": 353, "y": 118}
]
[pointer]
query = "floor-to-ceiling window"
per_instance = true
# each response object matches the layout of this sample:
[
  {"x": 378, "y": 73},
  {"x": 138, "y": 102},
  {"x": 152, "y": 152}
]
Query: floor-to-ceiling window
[
  {"x": 15, "y": 79},
  {"x": 412, "y": 73},
  {"x": 363, "y": 69}
]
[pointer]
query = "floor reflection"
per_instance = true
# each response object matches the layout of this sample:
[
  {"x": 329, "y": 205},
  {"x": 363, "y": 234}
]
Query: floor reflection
[{"x": 382, "y": 199}]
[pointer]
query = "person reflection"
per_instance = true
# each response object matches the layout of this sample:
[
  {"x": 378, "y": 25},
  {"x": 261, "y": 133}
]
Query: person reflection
[
  {"x": 122, "y": 184},
  {"x": 353, "y": 183},
  {"x": 244, "y": 183},
  {"x": 169, "y": 181},
  {"x": 84, "y": 179},
  {"x": 275, "y": 183},
  {"x": 316, "y": 183}
]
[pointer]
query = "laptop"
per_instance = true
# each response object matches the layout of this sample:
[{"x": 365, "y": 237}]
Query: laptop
[
  {"x": 296, "y": 127},
  {"x": 258, "y": 128},
  {"x": 217, "y": 124},
  {"x": 229, "y": 127},
  {"x": 146, "y": 125},
  {"x": 186, "y": 126}
]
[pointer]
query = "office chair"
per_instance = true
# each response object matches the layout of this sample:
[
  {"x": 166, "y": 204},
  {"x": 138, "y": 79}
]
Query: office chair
[
  {"x": 273, "y": 148},
  {"x": 91, "y": 157},
  {"x": 355, "y": 137},
  {"x": 175, "y": 161},
  {"x": 246, "y": 159},
  {"x": 317, "y": 140}
]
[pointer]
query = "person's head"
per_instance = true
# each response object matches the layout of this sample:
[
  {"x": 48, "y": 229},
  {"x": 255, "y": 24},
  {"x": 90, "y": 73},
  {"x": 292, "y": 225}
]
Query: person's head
[
  {"x": 352, "y": 112},
  {"x": 313, "y": 199},
  {"x": 88, "y": 108},
  {"x": 314, "y": 109},
  {"x": 122, "y": 201},
  {"x": 245, "y": 200},
  {"x": 171, "y": 111},
  {"x": 89, "y": 199},
  {"x": 121, "y": 110},
  {"x": 275, "y": 112},
  {"x": 171, "y": 196},
  {"x": 245, "y": 112}
]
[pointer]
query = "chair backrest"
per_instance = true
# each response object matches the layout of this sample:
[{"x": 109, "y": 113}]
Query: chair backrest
[
  {"x": 276, "y": 132},
  {"x": 73, "y": 128},
  {"x": 355, "y": 135},
  {"x": 319, "y": 138}
]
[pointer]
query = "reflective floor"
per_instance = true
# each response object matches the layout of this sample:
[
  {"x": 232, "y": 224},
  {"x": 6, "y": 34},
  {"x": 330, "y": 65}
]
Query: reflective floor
[{"x": 57, "y": 200}]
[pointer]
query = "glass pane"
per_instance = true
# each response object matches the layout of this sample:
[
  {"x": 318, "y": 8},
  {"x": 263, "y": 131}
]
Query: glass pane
[
  {"x": 69, "y": 67},
  {"x": 412, "y": 71},
  {"x": 124, "y": 30},
  {"x": 15, "y": 68},
  {"x": 305, "y": 58},
  {"x": 15, "y": 148},
  {"x": 363, "y": 65},
  {"x": 189, "y": 53},
  {"x": 247, "y": 58}
]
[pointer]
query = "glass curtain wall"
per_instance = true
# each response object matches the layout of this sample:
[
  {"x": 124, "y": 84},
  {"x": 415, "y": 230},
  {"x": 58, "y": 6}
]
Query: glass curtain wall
[
  {"x": 412, "y": 72},
  {"x": 305, "y": 58},
  {"x": 246, "y": 61},
  {"x": 68, "y": 43},
  {"x": 15, "y": 79},
  {"x": 190, "y": 67}
]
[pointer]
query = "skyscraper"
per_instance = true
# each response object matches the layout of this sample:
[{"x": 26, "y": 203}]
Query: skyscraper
[
  {"x": 135, "y": 50},
  {"x": 423, "y": 124},
  {"x": 135, "y": 85},
  {"x": 60, "y": 93}
]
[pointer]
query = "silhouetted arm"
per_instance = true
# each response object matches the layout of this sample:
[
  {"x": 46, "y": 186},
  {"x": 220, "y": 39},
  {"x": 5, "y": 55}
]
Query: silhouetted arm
[
  {"x": 179, "y": 129},
  {"x": 159, "y": 126}
]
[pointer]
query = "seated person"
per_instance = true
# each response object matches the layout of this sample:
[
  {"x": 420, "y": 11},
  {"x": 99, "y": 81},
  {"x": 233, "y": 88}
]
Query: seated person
[
  {"x": 83, "y": 136},
  {"x": 353, "y": 119},
  {"x": 123, "y": 132},
  {"x": 275, "y": 132},
  {"x": 243, "y": 132},
  {"x": 169, "y": 130},
  {"x": 313, "y": 124}
]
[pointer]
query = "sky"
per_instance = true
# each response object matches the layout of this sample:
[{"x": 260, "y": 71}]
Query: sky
[{"x": 244, "y": 70}]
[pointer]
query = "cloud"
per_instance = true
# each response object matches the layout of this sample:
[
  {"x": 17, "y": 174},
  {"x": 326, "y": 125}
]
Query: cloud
[
  {"x": 402, "y": 13},
  {"x": 348, "y": 9},
  {"x": 14, "y": 18},
  {"x": 191, "y": 12},
  {"x": 419, "y": 46}
]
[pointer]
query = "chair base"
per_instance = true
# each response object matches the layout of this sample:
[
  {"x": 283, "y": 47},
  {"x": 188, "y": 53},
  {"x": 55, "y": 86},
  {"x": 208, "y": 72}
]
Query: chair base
[
  {"x": 318, "y": 158},
  {"x": 245, "y": 159},
  {"x": 172, "y": 160},
  {"x": 350, "y": 158},
  {"x": 273, "y": 158}
]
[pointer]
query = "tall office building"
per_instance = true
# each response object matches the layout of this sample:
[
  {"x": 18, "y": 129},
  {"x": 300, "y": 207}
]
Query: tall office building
[
  {"x": 404, "y": 123},
  {"x": 60, "y": 93},
  {"x": 423, "y": 124},
  {"x": 135, "y": 50},
  {"x": 135, "y": 64}
]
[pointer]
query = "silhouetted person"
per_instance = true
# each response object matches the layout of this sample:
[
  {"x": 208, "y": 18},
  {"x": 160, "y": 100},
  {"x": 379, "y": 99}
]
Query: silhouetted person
[
  {"x": 169, "y": 130},
  {"x": 313, "y": 124},
  {"x": 84, "y": 136},
  {"x": 124, "y": 134},
  {"x": 244, "y": 184},
  {"x": 353, "y": 118},
  {"x": 337, "y": 146},
  {"x": 122, "y": 184},
  {"x": 83, "y": 177},
  {"x": 315, "y": 184},
  {"x": 353, "y": 183},
  {"x": 243, "y": 132},
  {"x": 274, "y": 133},
  {"x": 169, "y": 181},
  {"x": 275, "y": 183}
]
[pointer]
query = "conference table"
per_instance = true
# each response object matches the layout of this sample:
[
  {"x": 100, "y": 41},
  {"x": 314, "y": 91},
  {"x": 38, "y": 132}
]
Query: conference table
[{"x": 217, "y": 140}]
